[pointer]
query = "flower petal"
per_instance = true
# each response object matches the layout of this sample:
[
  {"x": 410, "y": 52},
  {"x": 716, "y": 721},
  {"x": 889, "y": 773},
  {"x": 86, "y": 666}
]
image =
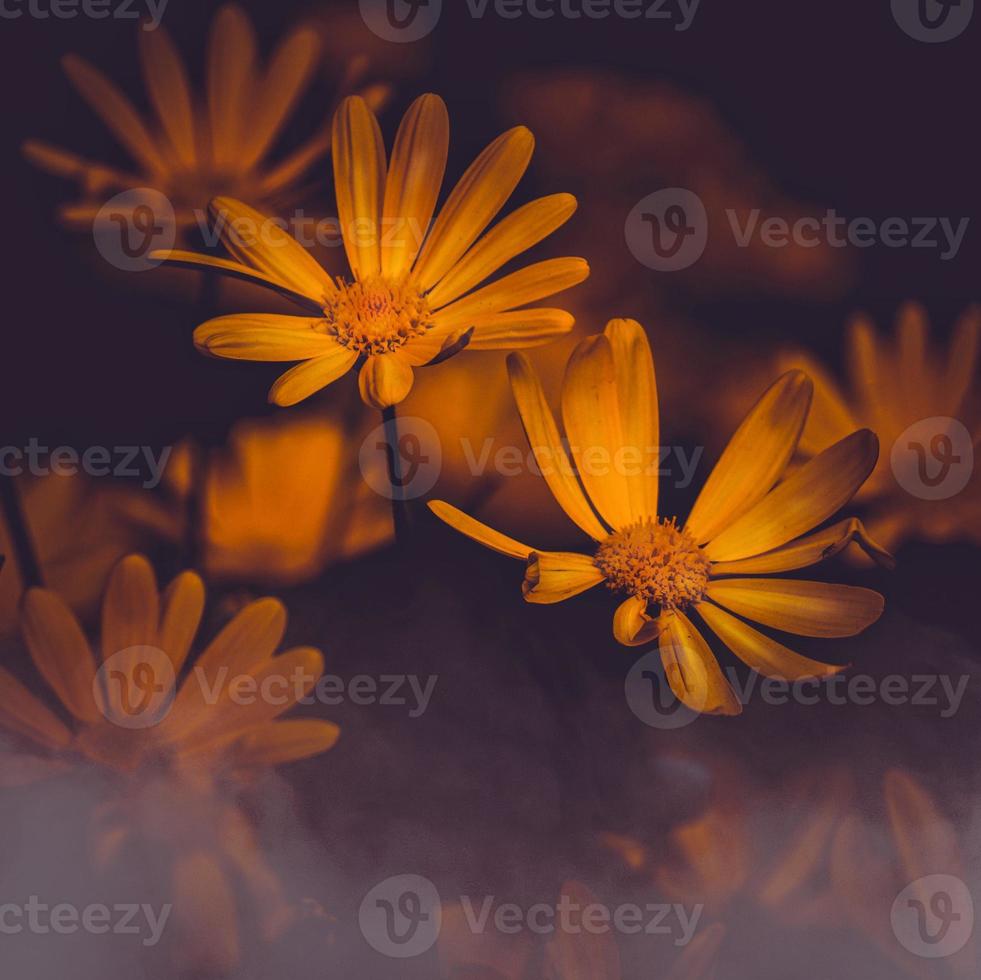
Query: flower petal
[
  {"x": 519, "y": 329},
  {"x": 543, "y": 438},
  {"x": 309, "y": 377},
  {"x": 235, "y": 270},
  {"x": 804, "y": 608},
  {"x": 807, "y": 498},
  {"x": 205, "y": 915},
  {"x": 60, "y": 652},
  {"x": 830, "y": 418},
  {"x": 755, "y": 458},
  {"x": 925, "y": 838},
  {"x": 116, "y": 111},
  {"x": 479, "y": 532},
  {"x": 415, "y": 177},
  {"x": 385, "y": 380},
  {"x": 285, "y": 741},
  {"x": 632, "y": 626},
  {"x": 527, "y": 285},
  {"x": 639, "y": 422},
  {"x": 290, "y": 69},
  {"x": 962, "y": 362},
  {"x": 130, "y": 608},
  {"x": 591, "y": 416},
  {"x": 691, "y": 668},
  {"x": 513, "y": 235},
  {"x": 476, "y": 199},
  {"x": 759, "y": 652},
  {"x": 809, "y": 550},
  {"x": 183, "y": 606},
  {"x": 264, "y": 337},
  {"x": 359, "y": 184},
  {"x": 170, "y": 93},
  {"x": 257, "y": 240},
  {"x": 554, "y": 576},
  {"x": 23, "y": 714},
  {"x": 232, "y": 92}
]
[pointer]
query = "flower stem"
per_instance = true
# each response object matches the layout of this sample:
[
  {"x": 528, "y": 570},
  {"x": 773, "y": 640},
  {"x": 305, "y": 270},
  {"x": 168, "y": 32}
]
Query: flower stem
[
  {"x": 19, "y": 531},
  {"x": 400, "y": 508}
]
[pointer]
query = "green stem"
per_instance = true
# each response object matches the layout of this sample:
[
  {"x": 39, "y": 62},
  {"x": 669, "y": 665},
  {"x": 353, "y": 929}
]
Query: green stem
[{"x": 400, "y": 509}]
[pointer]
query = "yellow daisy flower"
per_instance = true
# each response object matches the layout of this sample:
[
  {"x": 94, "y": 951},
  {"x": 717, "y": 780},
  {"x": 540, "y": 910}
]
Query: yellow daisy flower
[
  {"x": 895, "y": 385},
  {"x": 411, "y": 299},
  {"x": 176, "y": 752},
  {"x": 744, "y": 522},
  {"x": 199, "y": 723},
  {"x": 199, "y": 147}
]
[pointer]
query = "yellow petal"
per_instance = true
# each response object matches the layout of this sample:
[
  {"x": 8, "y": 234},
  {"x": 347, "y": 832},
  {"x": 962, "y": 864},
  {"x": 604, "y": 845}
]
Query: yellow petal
[
  {"x": 527, "y": 285},
  {"x": 359, "y": 184},
  {"x": 915, "y": 381},
  {"x": 691, "y": 669},
  {"x": 231, "y": 78},
  {"x": 385, "y": 380},
  {"x": 807, "y": 498},
  {"x": 257, "y": 240},
  {"x": 550, "y": 456},
  {"x": 116, "y": 111},
  {"x": 309, "y": 377},
  {"x": 632, "y": 626},
  {"x": 925, "y": 838},
  {"x": 480, "y": 194},
  {"x": 830, "y": 418},
  {"x": 234, "y": 270},
  {"x": 513, "y": 235},
  {"x": 591, "y": 416},
  {"x": 755, "y": 458},
  {"x": 23, "y": 714},
  {"x": 869, "y": 372},
  {"x": 556, "y": 576},
  {"x": 183, "y": 606},
  {"x": 962, "y": 362},
  {"x": 810, "y": 550},
  {"x": 415, "y": 177},
  {"x": 264, "y": 337},
  {"x": 764, "y": 655},
  {"x": 60, "y": 652},
  {"x": 167, "y": 86},
  {"x": 285, "y": 741},
  {"x": 480, "y": 533},
  {"x": 290, "y": 69},
  {"x": 130, "y": 609},
  {"x": 804, "y": 608},
  {"x": 639, "y": 422},
  {"x": 519, "y": 329}
]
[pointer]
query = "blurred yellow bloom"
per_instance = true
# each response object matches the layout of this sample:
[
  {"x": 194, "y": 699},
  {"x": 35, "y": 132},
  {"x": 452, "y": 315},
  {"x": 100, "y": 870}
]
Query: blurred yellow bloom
[
  {"x": 281, "y": 501},
  {"x": 411, "y": 300},
  {"x": 744, "y": 522},
  {"x": 198, "y": 147},
  {"x": 171, "y": 747},
  {"x": 869, "y": 874},
  {"x": 894, "y": 386}
]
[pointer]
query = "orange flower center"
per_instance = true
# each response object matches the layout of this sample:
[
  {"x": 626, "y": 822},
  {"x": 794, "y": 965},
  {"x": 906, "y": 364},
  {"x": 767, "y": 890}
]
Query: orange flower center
[
  {"x": 377, "y": 316},
  {"x": 656, "y": 560}
]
